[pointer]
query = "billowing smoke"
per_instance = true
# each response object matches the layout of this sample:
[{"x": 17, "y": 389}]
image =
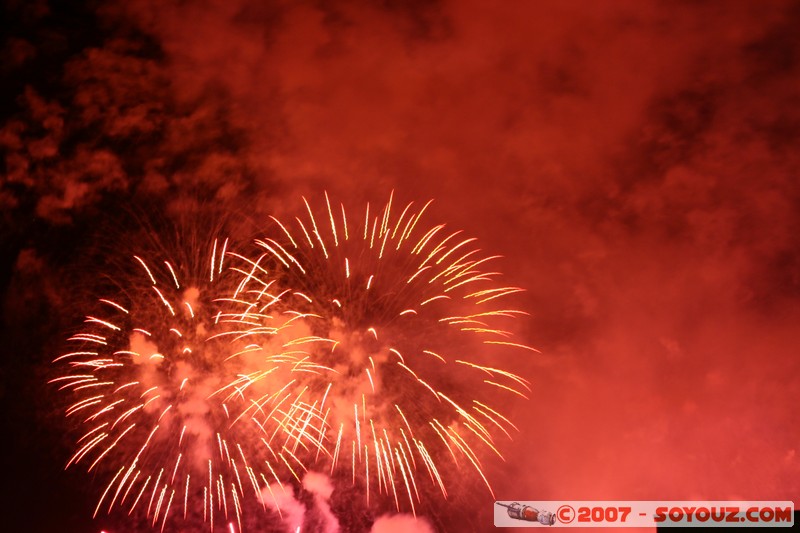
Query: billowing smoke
[
  {"x": 635, "y": 163},
  {"x": 401, "y": 523},
  {"x": 281, "y": 499},
  {"x": 321, "y": 487}
]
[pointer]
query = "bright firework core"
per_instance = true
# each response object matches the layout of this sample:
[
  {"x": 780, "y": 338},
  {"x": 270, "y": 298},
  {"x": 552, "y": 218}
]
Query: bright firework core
[{"x": 366, "y": 348}]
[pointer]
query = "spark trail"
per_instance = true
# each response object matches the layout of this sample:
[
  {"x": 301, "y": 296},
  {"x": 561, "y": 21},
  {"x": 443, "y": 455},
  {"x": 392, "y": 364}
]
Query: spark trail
[
  {"x": 368, "y": 346},
  {"x": 411, "y": 323},
  {"x": 164, "y": 381}
]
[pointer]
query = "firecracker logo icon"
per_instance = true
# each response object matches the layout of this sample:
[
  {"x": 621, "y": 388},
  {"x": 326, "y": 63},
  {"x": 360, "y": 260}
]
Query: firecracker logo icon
[{"x": 525, "y": 512}]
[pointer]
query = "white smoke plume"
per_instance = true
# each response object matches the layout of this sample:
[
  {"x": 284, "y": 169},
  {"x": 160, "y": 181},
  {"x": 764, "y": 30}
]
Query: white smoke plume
[{"x": 401, "y": 523}]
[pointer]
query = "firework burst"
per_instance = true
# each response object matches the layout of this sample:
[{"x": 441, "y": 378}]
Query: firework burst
[
  {"x": 406, "y": 321},
  {"x": 363, "y": 347},
  {"x": 157, "y": 380}
]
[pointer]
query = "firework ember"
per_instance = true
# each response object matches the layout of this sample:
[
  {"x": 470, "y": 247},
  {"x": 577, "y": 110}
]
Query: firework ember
[
  {"x": 407, "y": 322},
  {"x": 370, "y": 347}
]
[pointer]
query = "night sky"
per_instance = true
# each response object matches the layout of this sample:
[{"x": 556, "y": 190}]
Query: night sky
[{"x": 636, "y": 164}]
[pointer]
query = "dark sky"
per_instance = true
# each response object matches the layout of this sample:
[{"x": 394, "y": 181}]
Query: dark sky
[{"x": 635, "y": 162}]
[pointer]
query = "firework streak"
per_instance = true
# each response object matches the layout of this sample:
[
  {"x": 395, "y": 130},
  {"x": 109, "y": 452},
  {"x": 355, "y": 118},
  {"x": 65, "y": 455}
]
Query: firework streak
[{"x": 361, "y": 347}]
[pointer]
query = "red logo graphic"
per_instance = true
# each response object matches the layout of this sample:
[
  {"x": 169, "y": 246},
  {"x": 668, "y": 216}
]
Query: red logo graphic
[{"x": 565, "y": 514}]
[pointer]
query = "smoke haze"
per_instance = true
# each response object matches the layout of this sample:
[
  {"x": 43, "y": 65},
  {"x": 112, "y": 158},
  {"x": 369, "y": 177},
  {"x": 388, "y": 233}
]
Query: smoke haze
[{"x": 634, "y": 162}]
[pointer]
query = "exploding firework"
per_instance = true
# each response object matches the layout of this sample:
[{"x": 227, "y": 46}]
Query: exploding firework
[
  {"x": 364, "y": 348},
  {"x": 407, "y": 323},
  {"x": 155, "y": 380}
]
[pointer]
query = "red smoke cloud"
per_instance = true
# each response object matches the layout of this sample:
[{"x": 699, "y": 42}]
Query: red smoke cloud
[{"x": 634, "y": 161}]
